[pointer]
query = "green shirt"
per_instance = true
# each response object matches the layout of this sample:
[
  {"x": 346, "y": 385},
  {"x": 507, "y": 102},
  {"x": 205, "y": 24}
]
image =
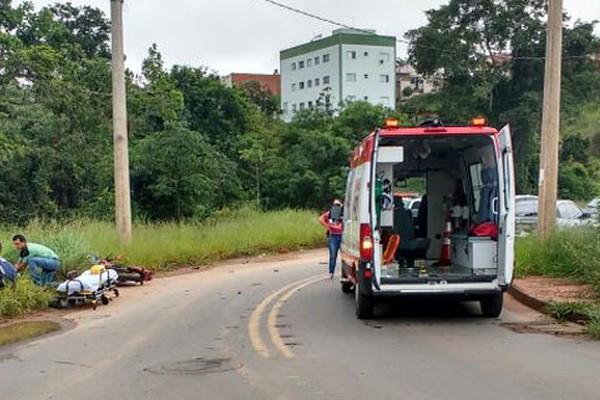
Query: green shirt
[{"x": 38, "y": 250}]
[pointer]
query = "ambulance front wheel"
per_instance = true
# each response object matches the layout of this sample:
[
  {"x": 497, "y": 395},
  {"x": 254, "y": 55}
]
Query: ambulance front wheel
[{"x": 491, "y": 305}]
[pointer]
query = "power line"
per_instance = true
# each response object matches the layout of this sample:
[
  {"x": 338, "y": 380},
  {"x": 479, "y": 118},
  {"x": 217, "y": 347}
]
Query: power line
[{"x": 403, "y": 41}]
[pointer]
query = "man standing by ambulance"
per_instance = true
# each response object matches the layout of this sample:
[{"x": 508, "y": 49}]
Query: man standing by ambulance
[{"x": 332, "y": 220}]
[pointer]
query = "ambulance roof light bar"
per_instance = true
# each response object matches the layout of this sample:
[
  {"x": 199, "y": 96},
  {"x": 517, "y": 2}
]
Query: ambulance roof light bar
[
  {"x": 392, "y": 123},
  {"x": 479, "y": 122}
]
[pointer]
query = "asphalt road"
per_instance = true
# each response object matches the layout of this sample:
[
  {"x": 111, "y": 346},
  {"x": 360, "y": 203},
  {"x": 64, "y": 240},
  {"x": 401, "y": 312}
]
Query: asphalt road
[{"x": 278, "y": 330}]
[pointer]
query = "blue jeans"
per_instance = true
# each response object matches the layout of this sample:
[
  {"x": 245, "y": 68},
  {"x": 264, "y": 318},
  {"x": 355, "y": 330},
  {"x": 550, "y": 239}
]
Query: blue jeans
[
  {"x": 42, "y": 270},
  {"x": 333, "y": 244}
]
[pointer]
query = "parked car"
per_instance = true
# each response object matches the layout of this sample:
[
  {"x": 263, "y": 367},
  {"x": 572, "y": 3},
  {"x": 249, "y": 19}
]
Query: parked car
[
  {"x": 568, "y": 214},
  {"x": 525, "y": 197},
  {"x": 413, "y": 206},
  {"x": 592, "y": 207}
]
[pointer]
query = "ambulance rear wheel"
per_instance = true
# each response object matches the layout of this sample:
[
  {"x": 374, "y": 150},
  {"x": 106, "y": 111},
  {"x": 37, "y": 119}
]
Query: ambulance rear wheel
[
  {"x": 347, "y": 287},
  {"x": 491, "y": 306},
  {"x": 364, "y": 304},
  {"x": 105, "y": 300}
]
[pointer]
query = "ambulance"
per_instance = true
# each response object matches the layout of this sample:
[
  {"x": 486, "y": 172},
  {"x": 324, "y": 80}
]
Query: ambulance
[{"x": 459, "y": 245}]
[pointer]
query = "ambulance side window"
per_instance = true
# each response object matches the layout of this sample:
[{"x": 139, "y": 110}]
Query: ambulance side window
[{"x": 476, "y": 185}]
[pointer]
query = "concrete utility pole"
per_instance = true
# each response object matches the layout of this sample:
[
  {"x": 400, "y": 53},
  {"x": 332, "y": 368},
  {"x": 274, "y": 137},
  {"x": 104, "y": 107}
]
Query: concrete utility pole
[
  {"x": 548, "y": 181},
  {"x": 120, "y": 142}
]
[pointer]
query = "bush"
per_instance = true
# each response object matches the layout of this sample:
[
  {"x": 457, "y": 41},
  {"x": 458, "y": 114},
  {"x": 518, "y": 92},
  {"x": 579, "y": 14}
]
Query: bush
[
  {"x": 23, "y": 297},
  {"x": 572, "y": 253}
]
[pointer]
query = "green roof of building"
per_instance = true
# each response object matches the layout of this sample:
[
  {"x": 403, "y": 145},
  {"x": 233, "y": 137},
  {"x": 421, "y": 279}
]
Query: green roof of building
[{"x": 337, "y": 39}]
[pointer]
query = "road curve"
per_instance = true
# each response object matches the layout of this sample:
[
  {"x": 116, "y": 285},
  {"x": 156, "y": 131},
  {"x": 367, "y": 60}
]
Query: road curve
[{"x": 278, "y": 329}]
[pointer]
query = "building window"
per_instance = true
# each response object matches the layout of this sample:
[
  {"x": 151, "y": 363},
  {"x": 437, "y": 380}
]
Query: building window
[
  {"x": 286, "y": 107},
  {"x": 325, "y": 58},
  {"x": 317, "y": 81},
  {"x": 366, "y": 76},
  {"x": 384, "y": 56},
  {"x": 300, "y": 64},
  {"x": 293, "y": 87},
  {"x": 310, "y": 104},
  {"x": 294, "y": 107},
  {"x": 384, "y": 78},
  {"x": 366, "y": 98},
  {"x": 293, "y": 66},
  {"x": 301, "y": 85},
  {"x": 309, "y": 62},
  {"x": 351, "y": 77},
  {"x": 326, "y": 80},
  {"x": 317, "y": 60},
  {"x": 366, "y": 54},
  {"x": 302, "y": 106},
  {"x": 309, "y": 83},
  {"x": 351, "y": 55}
]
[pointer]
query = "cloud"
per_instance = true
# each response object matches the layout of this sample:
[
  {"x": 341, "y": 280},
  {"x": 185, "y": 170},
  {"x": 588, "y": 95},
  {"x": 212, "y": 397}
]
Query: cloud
[{"x": 247, "y": 35}]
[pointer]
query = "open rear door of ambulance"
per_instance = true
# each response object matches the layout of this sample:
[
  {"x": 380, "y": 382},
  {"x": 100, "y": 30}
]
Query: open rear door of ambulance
[
  {"x": 375, "y": 229},
  {"x": 506, "y": 228}
]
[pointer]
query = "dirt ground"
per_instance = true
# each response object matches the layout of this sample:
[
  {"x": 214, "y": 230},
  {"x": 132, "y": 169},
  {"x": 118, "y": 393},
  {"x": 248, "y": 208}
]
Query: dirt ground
[{"x": 549, "y": 290}]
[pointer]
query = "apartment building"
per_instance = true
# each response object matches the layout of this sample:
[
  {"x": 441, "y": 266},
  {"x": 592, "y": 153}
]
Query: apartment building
[
  {"x": 268, "y": 82},
  {"x": 349, "y": 65}
]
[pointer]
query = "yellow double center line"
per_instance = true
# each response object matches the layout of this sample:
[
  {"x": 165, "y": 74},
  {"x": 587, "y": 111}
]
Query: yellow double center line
[{"x": 284, "y": 294}]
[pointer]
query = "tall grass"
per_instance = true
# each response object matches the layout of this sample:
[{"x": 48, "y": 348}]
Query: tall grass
[
  {"x": 573, "y": 254},
  {"x": 22, "y": 298},
  {"x": 163, "y": 246}
]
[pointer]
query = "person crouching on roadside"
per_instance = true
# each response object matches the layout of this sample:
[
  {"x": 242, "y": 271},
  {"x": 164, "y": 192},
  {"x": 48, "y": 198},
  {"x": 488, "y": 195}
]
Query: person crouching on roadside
[
  {"x": 8, "y": 272},
  {"x": 332, "y": 220},
  {"x": 41, "y": 262}
]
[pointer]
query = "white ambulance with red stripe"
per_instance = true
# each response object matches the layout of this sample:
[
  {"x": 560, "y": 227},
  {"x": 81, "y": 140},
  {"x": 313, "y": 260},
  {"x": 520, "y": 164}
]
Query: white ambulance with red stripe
[{"x": 461, "y": 242}]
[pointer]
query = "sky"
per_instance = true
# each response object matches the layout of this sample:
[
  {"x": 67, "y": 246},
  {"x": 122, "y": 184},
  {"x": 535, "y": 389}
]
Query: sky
[{"x": 246, "y": 35}]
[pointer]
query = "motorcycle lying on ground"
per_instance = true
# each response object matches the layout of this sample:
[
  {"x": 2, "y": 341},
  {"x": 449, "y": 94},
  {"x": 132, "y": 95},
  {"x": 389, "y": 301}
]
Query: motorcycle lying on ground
[{"x": 127, "y": 273}]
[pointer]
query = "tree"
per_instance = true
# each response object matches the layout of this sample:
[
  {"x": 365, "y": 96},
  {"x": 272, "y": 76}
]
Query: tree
[
  {"x": 490, "y": 54},
  {"x": 179, "y": 175},
  {"x": 263, "y": 98}
]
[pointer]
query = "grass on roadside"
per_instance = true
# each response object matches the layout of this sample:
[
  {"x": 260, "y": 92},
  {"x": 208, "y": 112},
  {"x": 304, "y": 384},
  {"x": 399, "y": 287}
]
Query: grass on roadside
[
  {"x": 163, "y": 246},
  {"x": 23, "y": 298},
  {"x": 573, "y": 253},
  {"x": 581, "y": 312}
]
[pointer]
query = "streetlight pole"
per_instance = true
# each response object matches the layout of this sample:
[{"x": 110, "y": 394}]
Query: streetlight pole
[
  {"x": 548, "y": 180},
  {"x": 120, "y": 141}
]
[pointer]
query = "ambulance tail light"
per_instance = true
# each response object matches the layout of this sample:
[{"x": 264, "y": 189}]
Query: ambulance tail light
[{"x": 366, "y": 242}]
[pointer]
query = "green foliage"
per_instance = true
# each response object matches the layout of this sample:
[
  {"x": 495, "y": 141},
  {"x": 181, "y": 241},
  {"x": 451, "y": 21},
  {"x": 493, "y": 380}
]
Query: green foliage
[
  {"x": 178, "y": 173},
  {"x": 490, "y": 55},
  {"x": 568, "y": 253},
  {"x": 227, "y": 233},
  {"x": 23, "y": 298},
  {"x": 583, "y": 312},
  {"x": 576, "y": 182},
  {"x": 570, "y": 311},
  {"x": 261, "y": 97},
  {"x": 593, "y": 328}
]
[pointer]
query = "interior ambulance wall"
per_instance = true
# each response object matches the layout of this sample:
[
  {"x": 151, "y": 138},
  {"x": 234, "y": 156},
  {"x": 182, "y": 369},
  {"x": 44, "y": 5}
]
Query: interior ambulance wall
[
  {"x": 387, "y": 216},
  {"x": 440, "y": 184}
]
